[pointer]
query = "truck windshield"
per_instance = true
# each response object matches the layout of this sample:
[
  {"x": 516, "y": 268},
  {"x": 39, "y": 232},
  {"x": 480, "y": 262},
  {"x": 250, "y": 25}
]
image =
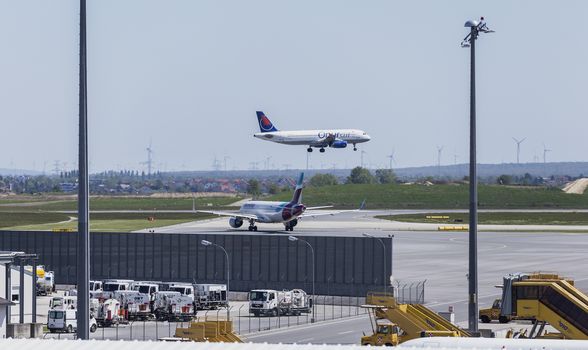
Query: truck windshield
[
  {"x": 258, "y": 296},
  {"x": 57, "y": 302},
  {"x": 108, "y": 287},
  {"x": 56, "y": 314},
  {"x": 182, "y": 290},
  {"x": 142, "y": 289}
]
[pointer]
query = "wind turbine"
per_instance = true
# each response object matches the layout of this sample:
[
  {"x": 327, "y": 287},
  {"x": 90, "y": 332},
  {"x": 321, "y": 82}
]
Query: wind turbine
[
  {"x": 149, "y": 161},
  {"x": 519, "y": 147},
  {"x": 392, "y": 160},
  {"x": 439, "y": 151},
  {"x": 545, "y": 150}
]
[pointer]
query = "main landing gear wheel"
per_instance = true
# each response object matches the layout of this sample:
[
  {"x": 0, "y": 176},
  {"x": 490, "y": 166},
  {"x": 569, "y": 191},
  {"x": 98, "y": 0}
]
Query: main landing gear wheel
[
  {"x": 322, "y": 150},
  {"x": 309, "y": 149},
  {"x": 354, "y": 148},
  {"x": 252, "y": 228}
]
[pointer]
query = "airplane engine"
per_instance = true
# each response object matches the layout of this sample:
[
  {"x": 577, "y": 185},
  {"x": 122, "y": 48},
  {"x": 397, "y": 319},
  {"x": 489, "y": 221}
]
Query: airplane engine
[
  {"x": 339, "y": 144},
  {"x": 235, "y": 222}
]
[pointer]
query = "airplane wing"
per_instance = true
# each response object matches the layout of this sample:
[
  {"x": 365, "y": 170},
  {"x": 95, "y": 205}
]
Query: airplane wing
[
  {"x": 310, "y": 214},
  {"x": 226, "y": 213},
  {"x": 324, "y": 141},
  {"x": 323, "y": 207}
]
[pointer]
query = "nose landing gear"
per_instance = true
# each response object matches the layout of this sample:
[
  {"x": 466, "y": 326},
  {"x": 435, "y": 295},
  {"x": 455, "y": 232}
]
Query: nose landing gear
[
  {"x": 322, "y": 150},
  {"x": 309, "y": 149}
]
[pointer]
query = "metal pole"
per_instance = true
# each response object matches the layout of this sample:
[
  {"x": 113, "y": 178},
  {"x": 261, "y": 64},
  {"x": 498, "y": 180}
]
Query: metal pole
[
  {"x": 34, "y": 291},
  {"x": 228, "y": 274},
  {"x": 391, "y": 261},
  {"x": 21, "y": 298},
  {"x": 313, "y": 292},
  {"x": 8, "y": 291},
  {"x": 83, "y": 268},
  {"x": 473, "y": 229}
]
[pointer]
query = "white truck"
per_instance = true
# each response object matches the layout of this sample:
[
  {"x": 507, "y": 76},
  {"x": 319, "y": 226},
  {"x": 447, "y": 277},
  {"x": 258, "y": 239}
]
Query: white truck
[
  {"x": 108, "y": 313},
  {"x": 137, "y": 306},
  {"x": 210, "y": 296},
  {"x": 171, "y": 305},
  {"x": 95, "y": 286},
  {"x": 269, "y": 302},
  {"x": 63, "y": 303},
  {"x": 111, "y": 286},
  {"x": 66, "y": 321}
]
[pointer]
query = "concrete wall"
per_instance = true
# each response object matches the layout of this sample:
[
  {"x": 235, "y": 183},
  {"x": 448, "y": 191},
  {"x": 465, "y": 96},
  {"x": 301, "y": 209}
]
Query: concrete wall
[
  {"x": 344, "y": 265},
  {"x": 15, "y": 281}
]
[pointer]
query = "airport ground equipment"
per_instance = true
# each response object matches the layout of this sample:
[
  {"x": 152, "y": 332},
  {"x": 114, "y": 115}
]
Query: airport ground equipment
[
  {"x": 169, "y": 306},
  {"x": 111, "y": 286},
  {"x": 210, "y": 296},
  {"x": 45, "y": 281},
  {"x": 136, "y": 305},
  {"x": 109, "y": 313},
  {"x": 65, "y": 321},
  {"x": 95, "y": 286},
  {"x": 493, "y": 313},
  {"x": 268, "y": 302},
  {"x": 209, "y": 331},
  {"x": 547, "y": 299},
  {"x": 395, "y": 323}
]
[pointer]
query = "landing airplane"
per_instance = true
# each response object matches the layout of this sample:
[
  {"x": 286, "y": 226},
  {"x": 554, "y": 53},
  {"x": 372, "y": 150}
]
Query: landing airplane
[
  {"x": 287, "y": 213},
  {"x": 336, "y": 138}
]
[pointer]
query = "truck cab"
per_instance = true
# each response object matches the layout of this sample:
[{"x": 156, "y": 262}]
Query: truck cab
[
  {"x": 493, "y": 313},
  {"x": 95, "y": 286},
  {"x": 63, "y": 303},
  {"x": 385, "y": 334},
  {"x": 263, "y": 302}
]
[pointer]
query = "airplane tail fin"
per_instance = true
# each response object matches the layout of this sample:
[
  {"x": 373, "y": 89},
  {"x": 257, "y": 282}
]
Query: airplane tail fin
[
  {"x": 297, "y": 197},
  {"x": 265, "y": 125}
]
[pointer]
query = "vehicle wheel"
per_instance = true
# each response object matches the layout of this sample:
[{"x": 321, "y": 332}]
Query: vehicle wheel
[
  {"x": 485, "y": 319},
  {"x": 322, "y": 150},
  {"x": 69, "y": 329},
  {"x": 354, "y": 148},
  {"x": 309, "y": 149},
  {"x": 250, "y": 228},
  {"x": 93, "y": 328},
  {"x": 51, "y": 330},
  {"x": 256, "y": 314},
  {"x": 503, "y": 319},
  {"x": 389, "y": 344}
]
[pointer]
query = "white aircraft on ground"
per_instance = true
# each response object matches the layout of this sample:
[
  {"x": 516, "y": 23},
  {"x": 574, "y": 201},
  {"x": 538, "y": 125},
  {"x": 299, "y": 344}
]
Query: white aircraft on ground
[
  {"x": 267, "y": 212},
  {"x": 335, "y": 138}
]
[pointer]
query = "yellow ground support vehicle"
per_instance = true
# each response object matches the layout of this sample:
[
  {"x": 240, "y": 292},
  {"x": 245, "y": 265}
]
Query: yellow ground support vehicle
[
  {"x": 213, "y": 331},
  {"x": 395, "y": 323},
  {"x": 493, "y": 313},
  {"x": 547, "y": 299}
]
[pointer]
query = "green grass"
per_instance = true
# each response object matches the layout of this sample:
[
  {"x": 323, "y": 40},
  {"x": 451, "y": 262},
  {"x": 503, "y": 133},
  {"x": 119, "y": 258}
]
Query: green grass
[
  {"x": 9, "y": 219},
  {"x": 120, "y": 203},
  {"x": 495, "y": 218},
  {"x": 119, "y": 222},
  {"x": 454, "y": 196}
]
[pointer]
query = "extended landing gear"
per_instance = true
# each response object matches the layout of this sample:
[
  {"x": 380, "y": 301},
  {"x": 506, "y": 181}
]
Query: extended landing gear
[
  {"x": 309, "y": 149},
  {"x": 322, "y": 150},
  {"x": 252, "y": 226},
  {"x": 354, "y": 148},
  {"x": 289, "y": 226}
]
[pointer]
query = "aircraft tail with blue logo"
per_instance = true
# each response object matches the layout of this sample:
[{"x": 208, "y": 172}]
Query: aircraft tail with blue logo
[
  {"x": 265, "y": 125},
  {"x": 297, "y": 197}
]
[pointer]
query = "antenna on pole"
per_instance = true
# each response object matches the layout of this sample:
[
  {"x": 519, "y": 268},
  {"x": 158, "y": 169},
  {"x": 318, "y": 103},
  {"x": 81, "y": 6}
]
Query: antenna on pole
[
  {"x": 149, "y": 161},
  {"x": 518, "y": 142},
  {"x": 439, "y": 152}
]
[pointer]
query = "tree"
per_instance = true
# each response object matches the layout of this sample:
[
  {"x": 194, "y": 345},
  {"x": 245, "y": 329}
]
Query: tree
[
  {"x": 360, "y": 175},
  {"x": 253, "y": 187},
  {"x": 323, "y": 180},
  {"x": 504, "y": 180},
  {"x": 385, "y": 176},
  {"x": 273, "y": 188}
]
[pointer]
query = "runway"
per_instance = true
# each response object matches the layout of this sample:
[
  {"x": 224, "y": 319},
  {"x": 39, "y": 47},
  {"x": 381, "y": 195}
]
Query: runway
[{"x": 358, "y": 222}]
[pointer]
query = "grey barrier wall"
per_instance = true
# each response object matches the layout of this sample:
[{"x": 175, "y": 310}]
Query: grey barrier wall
[{"x": 349, "y": 266}]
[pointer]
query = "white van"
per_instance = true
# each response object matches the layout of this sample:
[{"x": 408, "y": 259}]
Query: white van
[{"x": 66, "y": 321}]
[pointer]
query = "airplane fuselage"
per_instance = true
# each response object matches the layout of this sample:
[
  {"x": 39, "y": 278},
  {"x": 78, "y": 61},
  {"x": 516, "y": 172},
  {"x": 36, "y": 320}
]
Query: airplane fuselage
[
  {"x": 272, "y": 212},
  {"x": 313, "y": 137}
]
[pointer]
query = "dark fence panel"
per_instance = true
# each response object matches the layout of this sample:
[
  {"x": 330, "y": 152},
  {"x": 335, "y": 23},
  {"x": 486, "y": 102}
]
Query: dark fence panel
[{"x": 344, "y": 265}]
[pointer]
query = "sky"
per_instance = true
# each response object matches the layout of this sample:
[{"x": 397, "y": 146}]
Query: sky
[{"x": 188, "y": 76}]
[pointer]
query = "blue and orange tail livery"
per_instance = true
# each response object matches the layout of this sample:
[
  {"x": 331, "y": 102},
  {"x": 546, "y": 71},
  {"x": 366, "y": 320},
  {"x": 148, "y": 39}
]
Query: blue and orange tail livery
[{"x": 265, "y": 125}]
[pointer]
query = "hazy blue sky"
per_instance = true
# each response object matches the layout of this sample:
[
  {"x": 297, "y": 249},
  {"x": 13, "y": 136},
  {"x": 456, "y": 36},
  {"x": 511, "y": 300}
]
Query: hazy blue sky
[{"x": 191, "y": 74}]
